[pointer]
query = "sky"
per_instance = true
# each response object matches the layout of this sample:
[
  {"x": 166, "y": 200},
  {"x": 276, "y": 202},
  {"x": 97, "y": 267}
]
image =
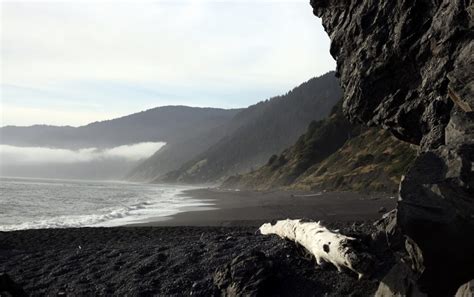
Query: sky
[{"x": 75, "y": 62}]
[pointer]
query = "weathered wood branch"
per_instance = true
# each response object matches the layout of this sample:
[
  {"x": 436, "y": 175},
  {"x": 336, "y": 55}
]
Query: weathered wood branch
[{"x": 323, "y": 244}]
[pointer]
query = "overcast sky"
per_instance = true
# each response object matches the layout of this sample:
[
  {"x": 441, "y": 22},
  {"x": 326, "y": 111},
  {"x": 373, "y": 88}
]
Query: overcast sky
[{"x": 74, "y": 62}]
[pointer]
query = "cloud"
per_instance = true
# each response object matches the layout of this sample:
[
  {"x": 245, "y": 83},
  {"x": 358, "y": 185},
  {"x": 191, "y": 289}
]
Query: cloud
[
  {"x": 133, "y": 152},
  {"x": 13, "y": 155},
  {"x": 129, "y": 56},
  {"x": 53, "y": 116},
  {"x": 166, "y": 42}
]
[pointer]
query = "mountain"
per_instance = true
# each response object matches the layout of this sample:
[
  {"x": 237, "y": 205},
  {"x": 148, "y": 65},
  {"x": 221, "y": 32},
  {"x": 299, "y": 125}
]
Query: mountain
[
  {"x": 168, "y": 124},
  {"x": 334, "y": 154},
  {"x": 175, "y": 155},
  {"x": 202, "y": 144},
  {"x": 259, "y": 131},
  {"x": 109, "y": 149}
]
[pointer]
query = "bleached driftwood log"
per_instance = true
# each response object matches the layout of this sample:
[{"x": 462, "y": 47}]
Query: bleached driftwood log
[{"x": 322, "y": 243}]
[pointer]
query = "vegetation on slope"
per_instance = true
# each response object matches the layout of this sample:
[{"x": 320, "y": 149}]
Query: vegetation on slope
[
  {"x": 264, "y": 129},
  {"x": 334, "y": 155},
  {"x": 170, "y": 124}
]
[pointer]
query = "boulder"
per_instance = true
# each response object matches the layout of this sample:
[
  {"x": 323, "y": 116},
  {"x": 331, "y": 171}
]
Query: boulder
[
  {"x": 399, "y": 282},
  {"x": 388, "y": 231},
  {"x": 247, "y": 275}
]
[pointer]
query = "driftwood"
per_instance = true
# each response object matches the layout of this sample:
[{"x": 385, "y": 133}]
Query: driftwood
[{"x": 322, "y": 243}]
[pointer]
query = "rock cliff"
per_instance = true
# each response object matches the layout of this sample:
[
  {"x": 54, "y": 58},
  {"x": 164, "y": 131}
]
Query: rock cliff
[{"x": 408, "y": 66}]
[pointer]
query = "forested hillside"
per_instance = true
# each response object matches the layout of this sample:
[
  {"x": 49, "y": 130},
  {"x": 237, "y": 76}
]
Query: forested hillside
[
  {"x": 168, "y": 124},
  {"x": 262, "y": 130},
  {"x": 333, "y": 155}
]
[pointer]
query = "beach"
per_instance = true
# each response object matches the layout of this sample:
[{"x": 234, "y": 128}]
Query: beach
[
  {"x": 252, "y": 208},
  {"x": 179, "y": 256}
]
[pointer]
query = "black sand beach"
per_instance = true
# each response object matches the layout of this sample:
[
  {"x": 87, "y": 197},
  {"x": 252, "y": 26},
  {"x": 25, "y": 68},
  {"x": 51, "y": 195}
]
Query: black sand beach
[
  {"x": 179, "y": 260},
  {"x": 248, "y": 208}
]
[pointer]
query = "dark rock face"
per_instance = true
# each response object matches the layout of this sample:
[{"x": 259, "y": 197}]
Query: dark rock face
[
  {"x": 408, "y": 66},
  {"x": 398, "y": 282},
  {"x": 9, "y": 288},
  {"x": 394, "y": 59},
  {"x": 436, "y": 211},
  {"x": 246, "y": 275}
]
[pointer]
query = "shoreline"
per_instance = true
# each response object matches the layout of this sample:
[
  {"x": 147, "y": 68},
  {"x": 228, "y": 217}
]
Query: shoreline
[
  {"x": 252, "y": 208},
  {"x": 222, "y": 207},
  {"x": 180, "y": 256}
]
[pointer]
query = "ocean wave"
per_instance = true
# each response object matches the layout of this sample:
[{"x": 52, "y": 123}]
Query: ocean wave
[
  {"x": 122, "y": 215},
  {"x": 75, "y": 221}
]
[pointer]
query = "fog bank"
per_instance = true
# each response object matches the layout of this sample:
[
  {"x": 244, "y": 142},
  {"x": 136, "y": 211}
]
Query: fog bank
[{"x": 87, "y": 163}]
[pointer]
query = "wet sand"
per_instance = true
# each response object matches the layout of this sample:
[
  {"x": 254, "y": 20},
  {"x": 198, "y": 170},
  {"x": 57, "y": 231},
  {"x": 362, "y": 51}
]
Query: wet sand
[{"x": 247, "y": 208}]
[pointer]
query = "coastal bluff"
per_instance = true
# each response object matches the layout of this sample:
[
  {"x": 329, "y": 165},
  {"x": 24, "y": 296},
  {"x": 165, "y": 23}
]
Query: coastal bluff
[{"x": 407, "y": 66}]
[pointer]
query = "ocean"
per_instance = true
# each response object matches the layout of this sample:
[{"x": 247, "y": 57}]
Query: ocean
[{"x": 51, "y": 203}]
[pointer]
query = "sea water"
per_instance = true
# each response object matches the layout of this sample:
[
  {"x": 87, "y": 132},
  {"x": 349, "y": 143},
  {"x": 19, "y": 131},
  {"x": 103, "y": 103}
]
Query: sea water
[{"x": 46, "y": 203}]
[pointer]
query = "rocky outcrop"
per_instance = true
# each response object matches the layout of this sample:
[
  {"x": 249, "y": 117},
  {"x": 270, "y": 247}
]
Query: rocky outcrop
[
  {"x": 408, "y": 66},
  {"x": 246, "y": 275},
  {"x": 398, "y": 283}
]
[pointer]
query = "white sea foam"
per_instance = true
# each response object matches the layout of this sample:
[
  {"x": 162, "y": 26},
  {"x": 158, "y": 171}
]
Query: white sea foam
[{"x": 29, "y": 204}]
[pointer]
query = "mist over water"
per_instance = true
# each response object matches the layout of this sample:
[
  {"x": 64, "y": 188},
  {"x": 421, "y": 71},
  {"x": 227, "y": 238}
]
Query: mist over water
[
  {"x": 86, "y": 163},
  {"x": 14, "y": 154},
  {"x": 88, "y": 200}
]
